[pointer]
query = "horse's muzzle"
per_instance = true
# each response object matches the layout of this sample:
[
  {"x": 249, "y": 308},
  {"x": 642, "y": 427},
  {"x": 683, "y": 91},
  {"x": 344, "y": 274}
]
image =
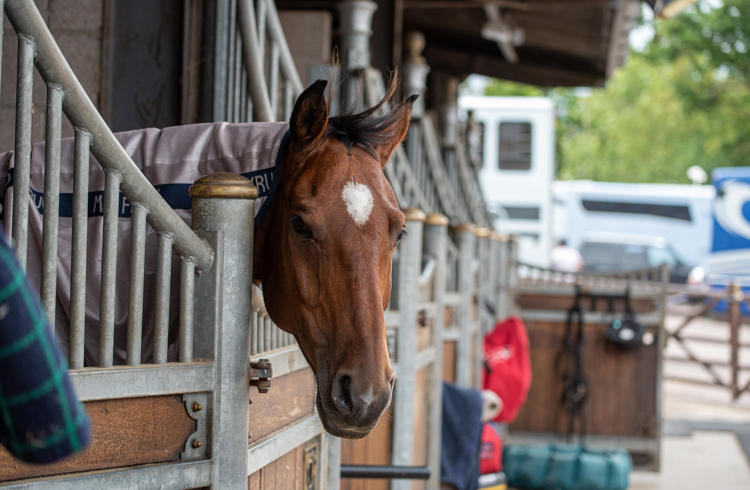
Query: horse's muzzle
[{"x": 351, "y": 412}]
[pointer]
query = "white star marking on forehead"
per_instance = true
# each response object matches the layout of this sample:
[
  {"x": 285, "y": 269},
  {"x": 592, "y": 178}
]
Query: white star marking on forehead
[{"x": 358, "y": 199}]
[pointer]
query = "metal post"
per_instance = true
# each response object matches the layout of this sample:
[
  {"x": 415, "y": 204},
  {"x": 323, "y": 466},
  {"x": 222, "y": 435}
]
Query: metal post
[
  {"x": 465, "y": 238},
  {"x": 22, "y": 156},
  {"x": 484, "y": 318},
  {"x": 410, "y": 260},
  {"x": 736, "y": 298},
  {"x": 434, "y": 244},
  {"x": 51, "y": 199},
  {"x": 333, "y": 472},
  {"x": 448, "y": 124},
  {"x": 495, "y": 274},
  {"x": 414, "y": 80},
  {"x": 221, "y": 204},
  {"x": 355, "y": 19}
]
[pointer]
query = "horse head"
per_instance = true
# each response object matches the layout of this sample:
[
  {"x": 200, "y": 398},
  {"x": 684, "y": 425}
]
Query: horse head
[{"x": 324, "y": 249}]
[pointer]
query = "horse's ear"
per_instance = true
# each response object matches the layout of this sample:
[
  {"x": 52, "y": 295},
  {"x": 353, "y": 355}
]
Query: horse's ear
[
  {"x": 399, "y": 126},
  {"x": 310, "y": 116}
]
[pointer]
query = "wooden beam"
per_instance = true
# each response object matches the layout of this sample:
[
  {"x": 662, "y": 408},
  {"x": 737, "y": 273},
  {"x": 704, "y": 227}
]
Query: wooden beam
[{"x": 461, "y": 63}]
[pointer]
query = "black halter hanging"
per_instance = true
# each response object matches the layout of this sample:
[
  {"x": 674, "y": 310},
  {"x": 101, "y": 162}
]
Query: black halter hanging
[{"x": 575, "y": 385}]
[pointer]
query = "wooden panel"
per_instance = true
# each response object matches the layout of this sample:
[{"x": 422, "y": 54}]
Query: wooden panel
[
  {"x": 622, "y": 385},
  {"x": 291, "y": 397},
  {"x": 564, "y": 302},
  {"x": 449, "y": 361},
  {"x": 125, "y": 432},
  {"x": 373, "y": 449},
  {"x": 285, "y": 473}
]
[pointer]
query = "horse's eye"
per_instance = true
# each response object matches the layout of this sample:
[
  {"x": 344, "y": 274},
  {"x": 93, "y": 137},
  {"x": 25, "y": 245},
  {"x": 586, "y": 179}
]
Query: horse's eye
[
  {"x": 400, "y": 236},
  {"x": 301, "y": 228}
]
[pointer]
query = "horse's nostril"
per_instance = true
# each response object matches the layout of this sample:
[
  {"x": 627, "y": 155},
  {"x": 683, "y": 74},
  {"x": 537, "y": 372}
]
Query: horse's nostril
[
  {"x": 342, "y": 395},
  {"x": 392, "y": 381}
]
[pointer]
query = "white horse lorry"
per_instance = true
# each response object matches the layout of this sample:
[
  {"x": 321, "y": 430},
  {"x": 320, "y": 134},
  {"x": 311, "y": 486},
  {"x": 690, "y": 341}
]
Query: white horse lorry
[
  {"x": 518, "y": 180},
  {"x": 518, "y": 167}
]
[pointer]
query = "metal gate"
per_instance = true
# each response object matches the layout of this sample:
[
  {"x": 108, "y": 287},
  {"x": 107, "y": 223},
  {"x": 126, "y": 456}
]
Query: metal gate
[{"x": 180, "y": 424}]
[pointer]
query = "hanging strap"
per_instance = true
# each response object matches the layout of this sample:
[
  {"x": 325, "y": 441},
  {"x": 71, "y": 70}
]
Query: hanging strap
[{"x": 574, "y": 381}]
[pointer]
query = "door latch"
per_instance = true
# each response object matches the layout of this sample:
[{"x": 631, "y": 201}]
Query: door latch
[{"x": 261, "y": 373}]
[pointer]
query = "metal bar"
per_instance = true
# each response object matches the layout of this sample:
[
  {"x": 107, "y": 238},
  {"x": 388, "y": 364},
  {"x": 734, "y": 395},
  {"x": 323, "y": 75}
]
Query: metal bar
[
  {"x": 187, "y": 285},
  {"x": 78, "y": 252},
  {"x": 273, "y": 79},
  {"x": 275, "y": 32},
  {"x": 409, "y": 262},
  {"x": 22, "y": 155},
  {"x": 51, "y": 199},
  {"x": 466, "y": 289},
  {"x": 144, "y": 380},
  {"x": 261, "y": 9},
  {"x": 220, "y": 60},
  {"x": 109, "y": 268},
  {"x": 2, "y": 24},
  {"x": 385, "y": 471},
  {"x": 288, "y": 99},
  {"x": 161, "y": 307},
  {"x": 135, "y": 299},
  {"x": 434, "y": 245},
  {"x": 178, "y": 475},
  {"x": 77, "y": 105},
  {"x": 250, "y": 51},
  {"x": 232, "y": 64},
  {"x": 735, "y": 301}
]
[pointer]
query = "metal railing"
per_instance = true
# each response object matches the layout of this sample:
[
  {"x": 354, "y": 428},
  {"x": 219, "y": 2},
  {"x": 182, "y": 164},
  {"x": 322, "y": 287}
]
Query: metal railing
[
  {"x": 212, "y": 368},
  {"x": 254, "y": 78},
  {"x": 65, "y": 95}
]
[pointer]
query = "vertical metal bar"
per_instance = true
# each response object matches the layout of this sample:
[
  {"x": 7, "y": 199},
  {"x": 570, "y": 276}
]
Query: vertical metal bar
[
  {"x": 333, "y": 468},
  {"x": 434, "y": 244},
  {"x": 253, "y": 61},
  {"x": 266, "y": 334},
  {"x": 465, "y": 236},
  {"x": 2, "y": 9},
  {"x": 163, "y": 286},
  {"x": 187, "y": 285},
  {"x": 288, "y": 99},
  {"x": 109, "y": 268},
  {"x": 238, "y": 71},
  {"x": 261, "y": 9},
  {"x": 51, "y": 199},
  {"x": 78, "y": 252},
  {"x": 253, "y": 332},
  {"x": 22, "y": 156},
  {"x": 243, "y": 92},
  {"x": 735, "y": 304},
  {"x": 410, "y": 259},
  {"x": 220, "y": 61},
  {"x": 259, "y": 333},
  {"x": 273, "y": 80},
  {"x": 135, "y": 300},
  {"x": 232, "y": 58}
]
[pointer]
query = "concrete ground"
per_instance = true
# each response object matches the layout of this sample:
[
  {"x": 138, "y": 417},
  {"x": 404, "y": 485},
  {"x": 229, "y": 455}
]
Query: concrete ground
[{"x": 706, "y": 435}]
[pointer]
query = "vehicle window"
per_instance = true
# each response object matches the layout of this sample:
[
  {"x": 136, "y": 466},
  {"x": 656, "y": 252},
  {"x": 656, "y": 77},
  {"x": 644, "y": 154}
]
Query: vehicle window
[
  {"x": 633, "y": 257},
  {"x": 601, "y": 255},
  {"x": 658, "y": 256},
  {"x": 514, "y": 152}
]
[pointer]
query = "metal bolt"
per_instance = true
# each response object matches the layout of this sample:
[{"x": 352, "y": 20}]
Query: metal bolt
[
  {"x": 197, "y": 444},
  {"x": 197, "y": 407}
]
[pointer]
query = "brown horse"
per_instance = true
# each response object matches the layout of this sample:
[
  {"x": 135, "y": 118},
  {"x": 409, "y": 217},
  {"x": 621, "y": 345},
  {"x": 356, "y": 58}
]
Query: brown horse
[{"x": 323, "y": 252}]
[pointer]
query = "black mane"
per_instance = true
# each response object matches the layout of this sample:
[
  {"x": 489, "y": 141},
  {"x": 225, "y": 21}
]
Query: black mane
[{"x": 371, "y": 128}]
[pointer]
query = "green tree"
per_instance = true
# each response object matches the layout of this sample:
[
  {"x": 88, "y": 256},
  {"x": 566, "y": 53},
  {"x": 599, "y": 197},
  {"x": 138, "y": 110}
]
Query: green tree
[{"x": 682, "y": 101}]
